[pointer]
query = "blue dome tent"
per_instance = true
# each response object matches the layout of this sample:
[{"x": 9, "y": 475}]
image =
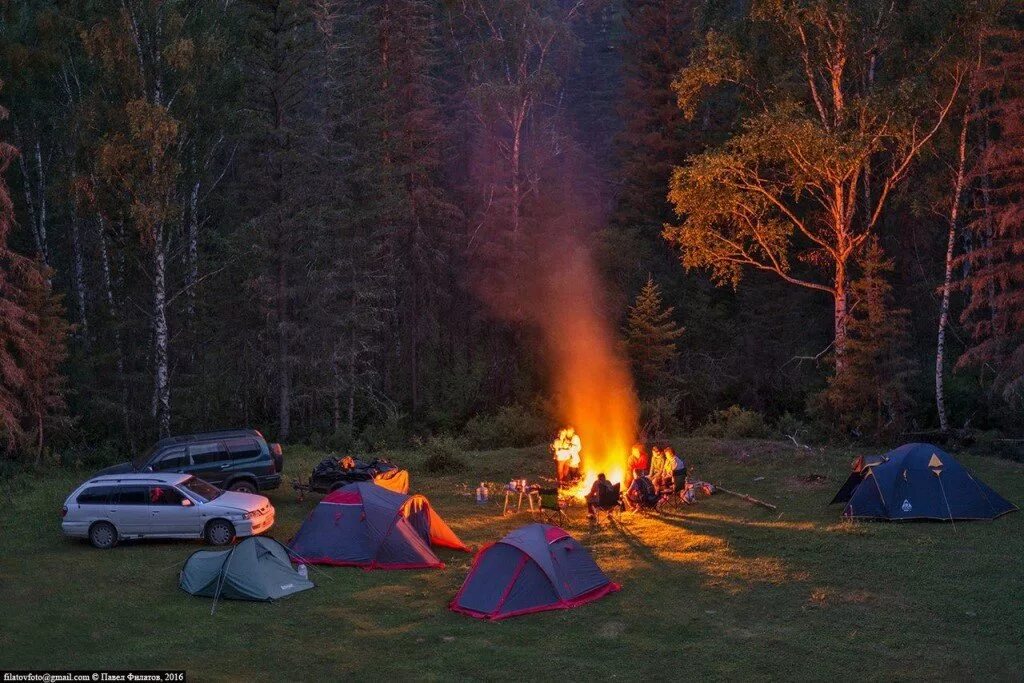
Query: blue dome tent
[{"x": 918, "y": 481}]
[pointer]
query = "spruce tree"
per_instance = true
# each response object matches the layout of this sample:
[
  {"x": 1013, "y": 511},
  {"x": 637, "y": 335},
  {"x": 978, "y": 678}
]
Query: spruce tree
[
  {"x": 651, "y": 336},
  {"x": 871, "y": 395}
]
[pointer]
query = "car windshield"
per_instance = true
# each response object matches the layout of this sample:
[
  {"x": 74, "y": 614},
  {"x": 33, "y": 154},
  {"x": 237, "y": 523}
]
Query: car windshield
[
  {"x": 201, "y": 489},
  {"x": 141, "y": 461}
]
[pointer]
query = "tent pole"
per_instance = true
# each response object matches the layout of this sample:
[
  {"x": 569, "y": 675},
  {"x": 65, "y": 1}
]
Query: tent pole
[
  {"x": 305, "y": 562},
  {"x": 948, "y": 509},
  {"x": 220, "y": 583}
]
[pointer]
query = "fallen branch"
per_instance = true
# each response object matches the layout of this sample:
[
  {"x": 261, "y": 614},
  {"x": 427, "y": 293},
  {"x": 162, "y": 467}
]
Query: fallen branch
[
  {"x": 797, "y": 443},
  {"x": 749, "y": 499}
]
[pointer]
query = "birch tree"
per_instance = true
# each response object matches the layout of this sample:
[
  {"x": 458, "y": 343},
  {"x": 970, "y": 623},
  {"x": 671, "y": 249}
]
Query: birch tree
[{"x": 783, "y": 193}]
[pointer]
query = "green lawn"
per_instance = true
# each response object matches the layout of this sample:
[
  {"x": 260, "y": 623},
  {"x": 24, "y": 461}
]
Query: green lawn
[{"x": 722, "y": 590}]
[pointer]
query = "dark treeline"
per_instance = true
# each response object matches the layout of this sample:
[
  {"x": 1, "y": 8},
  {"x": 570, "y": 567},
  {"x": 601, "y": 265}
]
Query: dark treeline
[{"x": 312, "y": 216}]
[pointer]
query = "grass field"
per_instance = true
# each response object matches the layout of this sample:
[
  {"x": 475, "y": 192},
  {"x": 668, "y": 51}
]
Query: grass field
[{"x": 720, "y": 590}]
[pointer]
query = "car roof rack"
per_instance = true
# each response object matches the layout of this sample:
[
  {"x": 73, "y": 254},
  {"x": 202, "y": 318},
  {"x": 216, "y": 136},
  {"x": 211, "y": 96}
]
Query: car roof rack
[{"x": 204, "y": 436}]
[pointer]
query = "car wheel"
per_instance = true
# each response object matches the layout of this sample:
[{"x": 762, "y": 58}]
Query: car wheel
[
  {"x": 220, "y": 532},
  {"x": 243, "y": 486},
  {"x": 103, "y": 535}
]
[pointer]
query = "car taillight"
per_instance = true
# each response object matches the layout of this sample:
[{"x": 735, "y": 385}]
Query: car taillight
[{"x": 64, "y": 511}]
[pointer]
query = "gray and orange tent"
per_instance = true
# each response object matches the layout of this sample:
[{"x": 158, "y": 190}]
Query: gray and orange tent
[
  {"x": 365, "y": 525},
  {"x": 534, "y": 568}
]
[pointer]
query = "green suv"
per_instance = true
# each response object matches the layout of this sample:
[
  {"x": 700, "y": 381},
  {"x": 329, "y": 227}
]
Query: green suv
[{"x": 232, "y": 459}]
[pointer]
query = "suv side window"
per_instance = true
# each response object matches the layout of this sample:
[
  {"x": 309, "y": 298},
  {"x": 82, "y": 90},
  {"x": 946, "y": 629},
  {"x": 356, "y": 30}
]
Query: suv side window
[
  {"x": 131, "y": 495},
  {"x": 174, "y": 459},
  {"x": 206, "y": 453},
  {"x": 95, "y": 495},
  {"x": 164, "y": 495},
  {"x": 243, "y": 449}
]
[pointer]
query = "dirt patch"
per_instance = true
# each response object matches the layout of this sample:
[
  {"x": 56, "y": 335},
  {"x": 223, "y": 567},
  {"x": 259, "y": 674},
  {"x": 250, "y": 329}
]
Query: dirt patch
[
  {"x": 821, "y": 598},
  {"x": 803, "y": 482}
]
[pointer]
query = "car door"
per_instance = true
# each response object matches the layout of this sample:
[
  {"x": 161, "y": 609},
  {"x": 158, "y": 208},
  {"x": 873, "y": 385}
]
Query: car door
[
  {"x": 168, "y": 516},
  {"x": 130, "y": 509},
  {"x": 209, "y": 461}
]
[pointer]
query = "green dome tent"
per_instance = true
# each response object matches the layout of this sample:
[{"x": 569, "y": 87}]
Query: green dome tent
[{"x": 257, "y": 568}]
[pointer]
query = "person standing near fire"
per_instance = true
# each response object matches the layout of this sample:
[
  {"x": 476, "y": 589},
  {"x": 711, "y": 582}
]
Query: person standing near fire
[{"x": 567, "y": 449}]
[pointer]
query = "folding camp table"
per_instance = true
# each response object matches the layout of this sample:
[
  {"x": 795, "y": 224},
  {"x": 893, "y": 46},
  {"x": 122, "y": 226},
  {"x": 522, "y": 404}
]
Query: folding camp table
[{"x": 532, "y": 499}]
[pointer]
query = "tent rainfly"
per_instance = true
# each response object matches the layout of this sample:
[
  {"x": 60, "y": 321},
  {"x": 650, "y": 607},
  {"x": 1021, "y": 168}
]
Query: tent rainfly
[
  {"x": 918, "y": 481},
  {"x": 535, "y": 568},
  {"x": 365, "y": 525},
  {"x": 257, "y": 568}
]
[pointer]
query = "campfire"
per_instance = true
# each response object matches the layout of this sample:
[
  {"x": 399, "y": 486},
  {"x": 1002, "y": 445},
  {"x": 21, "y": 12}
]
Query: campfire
[{"x": 577, "y": 466}]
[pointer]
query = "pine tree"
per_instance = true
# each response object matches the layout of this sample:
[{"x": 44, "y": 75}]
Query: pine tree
[
  {"x": 651, "y": 336},
  {"x": 33, "y": 338},
  {"x": 871, "y": 395},
  {"x": 994, "y": 265},
  {"x": 657, "y": 42}
]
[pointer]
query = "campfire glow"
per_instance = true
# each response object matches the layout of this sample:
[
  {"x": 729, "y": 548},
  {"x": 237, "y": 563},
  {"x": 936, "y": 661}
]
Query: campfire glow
[{"x": 593, "y": 385}]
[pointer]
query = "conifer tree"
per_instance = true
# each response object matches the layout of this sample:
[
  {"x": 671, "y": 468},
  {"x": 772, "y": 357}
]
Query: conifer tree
[
  {"x": 993, "y": 265},
  {"x": 651, "y": 336},
  {"x": 872, "y": 396}
]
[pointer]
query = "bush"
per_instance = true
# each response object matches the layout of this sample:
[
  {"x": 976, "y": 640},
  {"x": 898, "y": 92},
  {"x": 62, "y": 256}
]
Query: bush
[
  {"x": 789, "y": 425},
  {"x": 993, "y": 443},
  {"x": 391, "y": 432},
  {"x": 512, "y": 426},
  {"x": 442, "y": 455},
  {"x": 735, "y": 423}
]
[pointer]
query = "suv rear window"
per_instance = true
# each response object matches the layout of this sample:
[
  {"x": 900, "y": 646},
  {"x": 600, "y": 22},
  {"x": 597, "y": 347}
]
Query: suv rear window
[
  {"x": 205, "y": 453},
  {"x": 95, "y": 495},
  {"x": 243, "y": 449},
  {"x": 131, "y": 495}
]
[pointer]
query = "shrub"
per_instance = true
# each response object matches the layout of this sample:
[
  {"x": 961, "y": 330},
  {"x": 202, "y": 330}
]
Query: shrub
[
  {"x": 391, "y": 432},
  {"x": 513, "y": 425},
  {"x": 442, "y": 455},
  {"x": 735, "y": 423}
]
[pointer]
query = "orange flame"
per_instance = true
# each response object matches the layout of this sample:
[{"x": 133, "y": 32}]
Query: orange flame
[{"x": 593, "y": 385}]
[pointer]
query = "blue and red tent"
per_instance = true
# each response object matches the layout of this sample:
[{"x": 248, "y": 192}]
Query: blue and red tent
[
  {"x": 365, "y": 525},
  {"x": 534, "y": 568}
]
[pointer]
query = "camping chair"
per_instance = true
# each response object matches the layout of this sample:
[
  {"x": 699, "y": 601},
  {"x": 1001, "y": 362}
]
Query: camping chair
[
  {"x": 641, "y": 496},
  {"x": 552, "y": 507},
  {"x": 609, "y": 503}
]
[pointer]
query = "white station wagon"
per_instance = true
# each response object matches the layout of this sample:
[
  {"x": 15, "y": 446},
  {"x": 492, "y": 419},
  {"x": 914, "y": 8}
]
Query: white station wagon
[{"x": 108, "y": 508}]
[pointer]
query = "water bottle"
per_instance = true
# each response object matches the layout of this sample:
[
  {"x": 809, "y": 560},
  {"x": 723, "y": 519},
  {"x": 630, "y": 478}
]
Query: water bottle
[
  {"x": 303, "y": 572},
  {"x": 481, "y": 494}
]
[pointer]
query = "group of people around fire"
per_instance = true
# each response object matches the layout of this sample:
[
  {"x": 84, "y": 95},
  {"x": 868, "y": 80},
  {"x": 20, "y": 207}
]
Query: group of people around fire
[{"x": 649, "y": 475}]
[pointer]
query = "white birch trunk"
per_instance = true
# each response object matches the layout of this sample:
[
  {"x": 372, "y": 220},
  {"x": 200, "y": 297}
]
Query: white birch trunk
[
  {"x": 947, "y": 282},
  {"x": 161, "y": 341}
]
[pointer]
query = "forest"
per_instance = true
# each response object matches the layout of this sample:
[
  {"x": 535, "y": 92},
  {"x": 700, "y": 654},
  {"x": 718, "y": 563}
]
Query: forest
[{"x": 365, "y": 224}]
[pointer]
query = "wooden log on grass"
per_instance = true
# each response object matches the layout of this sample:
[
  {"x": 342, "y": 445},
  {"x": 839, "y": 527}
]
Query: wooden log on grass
[{"x": 749, "y": 499}]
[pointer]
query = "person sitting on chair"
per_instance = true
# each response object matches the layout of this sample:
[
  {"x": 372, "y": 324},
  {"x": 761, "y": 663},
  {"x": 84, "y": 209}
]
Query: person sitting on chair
[
  {"x": 677, "y": 465},
  {"x": 599, "y": 493},
  {"x": 657, "y": 465},
  {"x": 636, "y": 466}
]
